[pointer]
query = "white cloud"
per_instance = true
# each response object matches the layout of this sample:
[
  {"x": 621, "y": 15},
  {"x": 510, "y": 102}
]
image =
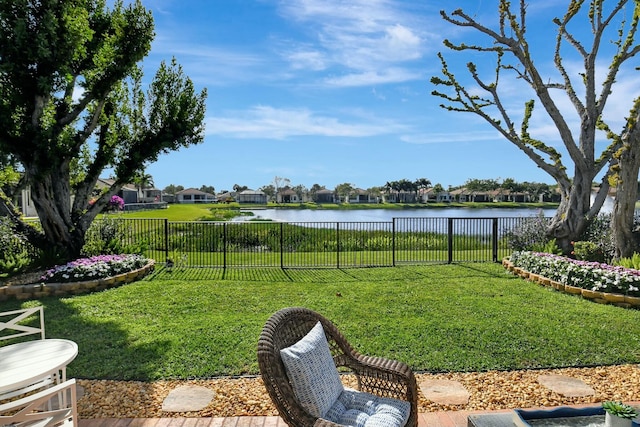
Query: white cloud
[
  {"x": 307, "y": 59},
  {"x": 362, "y": 39},
  {"x": 209, "y": 64},
  {"x": 265, "y": 122},
  {"x": 401, "y": 43},
  {"x": 373, "y": 77},
  {"x": 439, "y": 138}
]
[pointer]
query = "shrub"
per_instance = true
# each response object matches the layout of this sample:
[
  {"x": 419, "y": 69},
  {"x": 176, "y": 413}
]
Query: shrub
[
  {"x": 599, "y": 233},
  {"x": 116, "y": 203},
  {"x": 105, "y": 237},
  {"x": 550, "y": 247},
  {"x": 588, "y": 251},
  {"x": 16, "y": 253},
  {"x": 530, "y": 233}
]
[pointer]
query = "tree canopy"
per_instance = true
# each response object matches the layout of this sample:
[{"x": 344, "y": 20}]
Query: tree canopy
[{"x": 73, "y": 104}]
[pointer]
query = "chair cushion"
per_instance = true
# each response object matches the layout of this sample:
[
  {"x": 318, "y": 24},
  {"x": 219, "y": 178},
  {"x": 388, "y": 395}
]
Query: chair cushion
[
  {"x": 358, "y": 409},
  {"x": 312, "y": 372}
]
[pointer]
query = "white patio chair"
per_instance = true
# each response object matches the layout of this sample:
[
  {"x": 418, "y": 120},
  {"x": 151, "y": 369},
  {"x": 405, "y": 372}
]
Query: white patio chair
[
  {"x": 10, "y": 326},
  {"x": 51, "y": 407}
]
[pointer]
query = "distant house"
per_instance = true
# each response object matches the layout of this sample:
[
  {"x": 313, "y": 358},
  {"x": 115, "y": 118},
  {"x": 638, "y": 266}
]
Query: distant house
[
  {"x": 287, "y": 195},
  {"x": 193, "y": 195},
  {"x": 128, "y": 192},
  {"x": 361, "y": 196},
  {"x": 464, "y": 195},
  {"x": 226, "y": 197},
  {"x": 324, "y": 196},
  {"x": 169, "y": 198},
  {"x": 444, "y": 197},
  {"x": 481, "y": 197},
  {"x": 150, "y": 195},
  {"x": 517, "y": 196},
  {"x": 252, "y": 196},
  {"x": 25, "y": 204},
  {"x": 459, "y": 195},
  {"x": 401, "y": 197}
]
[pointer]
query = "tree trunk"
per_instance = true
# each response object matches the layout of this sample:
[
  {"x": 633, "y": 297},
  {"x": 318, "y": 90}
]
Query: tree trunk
[
  {"x": 572, "y": 217},
  {"x": 51, "y": 197},
  {"x": 624, "y": 205}
]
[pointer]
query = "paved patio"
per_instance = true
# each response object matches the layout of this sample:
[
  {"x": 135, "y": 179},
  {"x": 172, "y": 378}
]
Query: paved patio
[{"x": 430, "y": 419}]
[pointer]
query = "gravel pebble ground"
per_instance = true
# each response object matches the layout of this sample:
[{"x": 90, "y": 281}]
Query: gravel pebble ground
[{"x": 247, "y": 396}]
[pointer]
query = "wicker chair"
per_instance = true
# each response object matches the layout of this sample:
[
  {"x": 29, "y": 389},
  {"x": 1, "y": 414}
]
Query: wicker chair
[{"x": 382, "y": 377}]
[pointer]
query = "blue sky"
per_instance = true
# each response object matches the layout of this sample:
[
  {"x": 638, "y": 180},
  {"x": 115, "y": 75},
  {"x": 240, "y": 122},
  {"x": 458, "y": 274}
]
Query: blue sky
[{"x": 334, "y": 91}]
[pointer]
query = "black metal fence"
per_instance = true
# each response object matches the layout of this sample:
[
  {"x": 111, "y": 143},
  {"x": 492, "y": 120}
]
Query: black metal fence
[{"x": 311, "y": 244}]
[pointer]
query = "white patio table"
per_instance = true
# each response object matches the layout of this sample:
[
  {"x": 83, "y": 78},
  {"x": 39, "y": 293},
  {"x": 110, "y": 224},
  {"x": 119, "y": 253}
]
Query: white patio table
[{"x": 33, "y": 364}]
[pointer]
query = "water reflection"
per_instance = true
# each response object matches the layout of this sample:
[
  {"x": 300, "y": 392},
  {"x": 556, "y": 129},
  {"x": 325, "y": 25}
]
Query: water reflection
[{"x": 387, "y": 215}]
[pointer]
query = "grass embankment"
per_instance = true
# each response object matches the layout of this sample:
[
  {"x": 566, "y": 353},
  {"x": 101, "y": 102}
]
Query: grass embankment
[{"x": 436, "y": 318}]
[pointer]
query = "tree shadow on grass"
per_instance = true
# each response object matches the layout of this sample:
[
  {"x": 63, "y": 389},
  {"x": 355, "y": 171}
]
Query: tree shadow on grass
[
  {"x": 321, "y": 275},
  {"x": 270, "y": 274},
  {"x": 105, "y": 351}
]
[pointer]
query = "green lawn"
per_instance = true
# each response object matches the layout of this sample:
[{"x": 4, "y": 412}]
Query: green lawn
[
  {"x": 175, "y": 212},
  {"x": 206, "y": 322}
]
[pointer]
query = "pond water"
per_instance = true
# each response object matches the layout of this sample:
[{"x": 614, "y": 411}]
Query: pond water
[{"x": 387, "y": 215}]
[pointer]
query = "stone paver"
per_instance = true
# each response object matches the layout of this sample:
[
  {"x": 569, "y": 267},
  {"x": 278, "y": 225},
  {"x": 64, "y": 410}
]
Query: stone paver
[
  {"x": 445, "y": 392},
  {"x": 566, "y": 386},
  {"x": 187, "y": 399}
]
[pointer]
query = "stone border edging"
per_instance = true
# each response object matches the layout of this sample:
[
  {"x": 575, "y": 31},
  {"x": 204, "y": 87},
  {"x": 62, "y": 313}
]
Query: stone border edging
[
  {"x": 40, "y": 290},
  {"x": 619, "y": 300}
]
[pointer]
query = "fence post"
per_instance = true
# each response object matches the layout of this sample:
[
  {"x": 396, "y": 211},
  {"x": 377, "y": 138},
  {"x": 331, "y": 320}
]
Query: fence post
[
  {"x": 166, "y": 239},
  {"x": 449, "y": 240},
  {"x": 224, "y": 245},
  {"x": 337, "y": 245},
  {"x": 393, "y": 242},
  {"x": 494, "y": 239},
  {"x": 282, "y": 245}
]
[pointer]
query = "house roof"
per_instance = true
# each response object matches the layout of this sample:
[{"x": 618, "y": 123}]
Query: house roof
[
  {"x": 108, "y": 182},
  {"x": 324, "y": 191},
  {"x": 252, "y": 193},
  {"x": 193, "y": 191}
]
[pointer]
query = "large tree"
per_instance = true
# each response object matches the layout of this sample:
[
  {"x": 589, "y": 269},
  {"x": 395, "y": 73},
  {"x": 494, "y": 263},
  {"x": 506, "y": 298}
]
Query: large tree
[
  {"x": 71, "y": 88},
  {"x": 587, "y": 92}
]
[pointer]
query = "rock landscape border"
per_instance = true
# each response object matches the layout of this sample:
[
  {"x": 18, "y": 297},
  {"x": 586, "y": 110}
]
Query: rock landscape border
[{"x": 41, "y": 290}]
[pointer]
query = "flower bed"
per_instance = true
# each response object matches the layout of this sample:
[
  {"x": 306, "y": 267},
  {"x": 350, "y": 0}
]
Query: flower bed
[
  {"x": 82, "y": 276},
  {"x": 95, "y": 267},
  {"x": 603, "y": 282}
]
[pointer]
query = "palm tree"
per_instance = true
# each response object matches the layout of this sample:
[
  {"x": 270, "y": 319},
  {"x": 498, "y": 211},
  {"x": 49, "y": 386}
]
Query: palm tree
[
  {"x": 422, "y": 183},
  {"x": 142, "y": 180}
]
